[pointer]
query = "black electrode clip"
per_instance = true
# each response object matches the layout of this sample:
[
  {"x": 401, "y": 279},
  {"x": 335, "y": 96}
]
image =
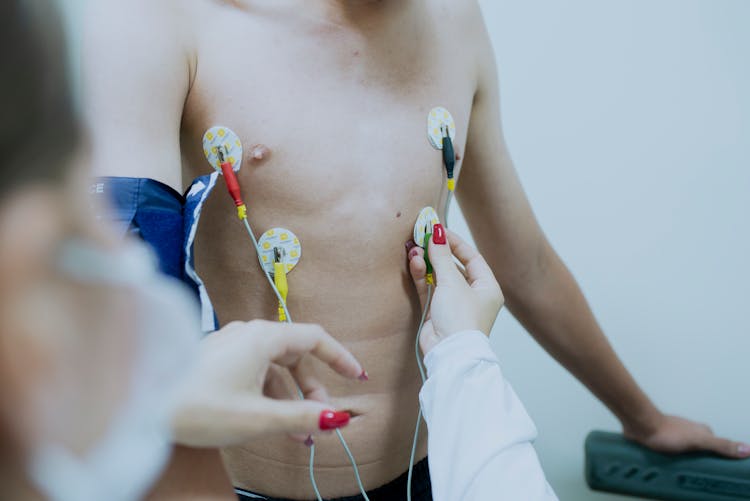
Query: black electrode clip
[{"x": 449, "y": 155}]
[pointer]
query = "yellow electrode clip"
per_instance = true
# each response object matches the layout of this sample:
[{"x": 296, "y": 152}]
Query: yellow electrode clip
[
  {"x": 242, "y": 212},
  {"x": 279, "y": 279}
]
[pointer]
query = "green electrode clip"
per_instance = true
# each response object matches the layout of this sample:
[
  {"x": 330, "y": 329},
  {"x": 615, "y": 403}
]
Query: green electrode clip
[{"x": 427, "y": 236}]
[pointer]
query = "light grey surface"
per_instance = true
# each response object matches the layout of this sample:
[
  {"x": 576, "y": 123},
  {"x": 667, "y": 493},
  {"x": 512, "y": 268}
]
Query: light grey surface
[{"x": 629, "y": 121}]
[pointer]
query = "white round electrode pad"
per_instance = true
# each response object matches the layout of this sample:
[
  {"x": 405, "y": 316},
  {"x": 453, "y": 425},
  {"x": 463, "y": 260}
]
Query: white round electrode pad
[
  {"x": 427, "y": 219},
  {"x": 284, "y": 239},
  {"x": 222, "y": 136},
  {"x": 435, "y": 120}
]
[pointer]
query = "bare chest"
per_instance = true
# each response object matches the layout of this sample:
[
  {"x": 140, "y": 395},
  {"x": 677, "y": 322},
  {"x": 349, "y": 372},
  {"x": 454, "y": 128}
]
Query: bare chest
[
  {"x": 343, "y": 122},
  {"x": 343, "y": 117}
]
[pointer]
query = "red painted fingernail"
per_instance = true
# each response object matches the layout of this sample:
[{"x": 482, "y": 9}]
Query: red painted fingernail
[
  {"x": 409, "y": 245},
  {"x": 330, "y": 420},
  {"x": 309, "y": 442},
  {"x": 364, "y": 376},
  {"x": 438, "y": 234}
]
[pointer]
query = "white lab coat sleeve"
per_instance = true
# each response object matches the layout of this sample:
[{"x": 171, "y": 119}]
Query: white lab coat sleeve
[{"x": 480, "y": 435}]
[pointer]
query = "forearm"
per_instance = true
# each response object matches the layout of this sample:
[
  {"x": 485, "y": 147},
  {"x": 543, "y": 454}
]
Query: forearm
[
  {"x": 540, "y": 291},
  {"x": 480, "y": 434},
  {"x": 549, "y": 303}
]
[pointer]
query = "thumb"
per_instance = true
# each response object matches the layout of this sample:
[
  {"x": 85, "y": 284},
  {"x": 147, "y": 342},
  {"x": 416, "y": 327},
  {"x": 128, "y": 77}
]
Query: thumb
[
  {"x": 294, "y": 417},
  {"x": 727, "y": 448},
  {"x": 245, "y": 420},
  {"x": 440, "y": 256},
  {"x": 418, "y": 271}
]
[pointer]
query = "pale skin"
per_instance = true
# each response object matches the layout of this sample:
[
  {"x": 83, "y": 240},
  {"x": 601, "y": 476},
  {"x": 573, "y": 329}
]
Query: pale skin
[{"x": 330, "y": 99}]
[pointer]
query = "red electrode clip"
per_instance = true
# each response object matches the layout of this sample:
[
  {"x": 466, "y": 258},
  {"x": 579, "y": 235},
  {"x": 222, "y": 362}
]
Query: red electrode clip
[{"x": 233, "y": 185}]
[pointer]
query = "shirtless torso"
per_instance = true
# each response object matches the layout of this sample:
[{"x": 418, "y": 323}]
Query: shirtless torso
[
  {"x": 338, "y": 96},
  {"x": 343, "y": 114}
]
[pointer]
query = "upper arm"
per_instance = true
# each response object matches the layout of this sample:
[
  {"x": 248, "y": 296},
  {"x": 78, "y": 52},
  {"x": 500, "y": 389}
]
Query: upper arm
[
  {"x": 489, "y": 192},
  {"x": 135, "y": 73}
]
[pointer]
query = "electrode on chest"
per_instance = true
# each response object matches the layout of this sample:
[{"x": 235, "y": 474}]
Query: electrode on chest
[
  {"x": 426, "y": 220},
  {"x": 279, "y": 245},
  {"x": 220, "y": 140},
  {"x": 440, "y": 122}
]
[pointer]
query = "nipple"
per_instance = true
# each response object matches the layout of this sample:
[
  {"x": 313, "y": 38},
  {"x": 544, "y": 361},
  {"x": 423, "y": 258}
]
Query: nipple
[{"x": 259, "y": 152}]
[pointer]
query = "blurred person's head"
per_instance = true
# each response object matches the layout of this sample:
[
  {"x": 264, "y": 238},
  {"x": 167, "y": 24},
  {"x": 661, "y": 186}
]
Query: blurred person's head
[
  {"x": 38, "y": 126},
  {"x": 75, "y": 358}
]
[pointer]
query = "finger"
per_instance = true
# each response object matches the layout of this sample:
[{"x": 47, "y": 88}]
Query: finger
[
  {"x": 477, "y": 270},
  {"x": 239, "y": 420},
  {"x": 311, "y": 388},
  {"x": 301, "y": 438},
  {"x": 418, "y": 271},
  {"x": 301, "y": 417},
  {"x": 278, "y": 384},
  {"x": 293, "y": 342},
  {"x": 409, "y": 245},
  {"x": 724, "y": 447},
  {"x": 460, "y": 268},
  {"x": 442, "y": 262}
]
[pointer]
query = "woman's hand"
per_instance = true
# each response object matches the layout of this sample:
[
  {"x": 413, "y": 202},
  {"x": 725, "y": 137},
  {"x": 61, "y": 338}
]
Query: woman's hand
[
  {"x": 462, "y": 300},
  {"x": 242, "y": 374}
]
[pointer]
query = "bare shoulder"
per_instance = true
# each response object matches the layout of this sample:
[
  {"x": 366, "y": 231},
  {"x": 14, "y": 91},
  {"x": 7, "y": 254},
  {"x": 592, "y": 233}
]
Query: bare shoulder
[
  {"x": 136, "y": 67},
  {"x": 459, "y": 17},
  {"x": 464, "y": 23},
  {"x": 136, "y": 26},
  {"x": 149, "y": 12}
]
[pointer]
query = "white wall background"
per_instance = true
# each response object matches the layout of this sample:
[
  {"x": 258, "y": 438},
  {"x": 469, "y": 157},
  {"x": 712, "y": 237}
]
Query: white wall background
[{"x": 629, "y": 122}]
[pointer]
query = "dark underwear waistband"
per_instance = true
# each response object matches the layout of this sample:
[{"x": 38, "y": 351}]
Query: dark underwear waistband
[{"x": 421, "y": 489}]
